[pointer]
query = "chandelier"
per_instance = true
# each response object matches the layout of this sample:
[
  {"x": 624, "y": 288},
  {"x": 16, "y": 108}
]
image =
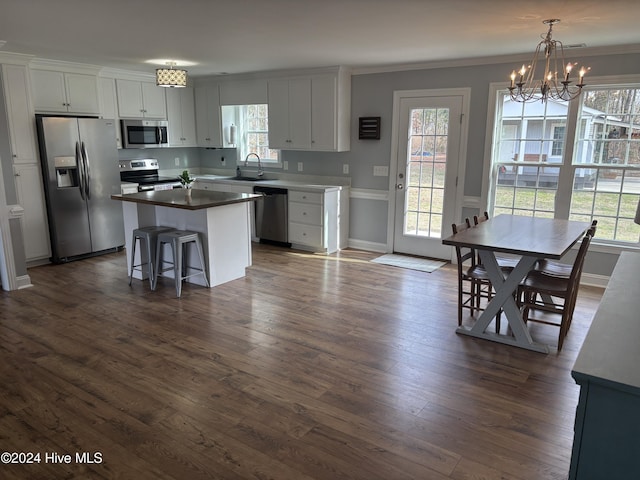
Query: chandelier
[
  {"x": 171, "y": 77},
  {"x": 550, "y": 84}
]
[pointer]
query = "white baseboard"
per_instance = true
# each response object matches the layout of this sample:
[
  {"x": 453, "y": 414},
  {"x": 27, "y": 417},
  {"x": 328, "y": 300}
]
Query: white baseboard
[
  {"x": 594, "y": 280},
  {"x": 23, "y": 281},
  {"x": 369, "y": 246}
]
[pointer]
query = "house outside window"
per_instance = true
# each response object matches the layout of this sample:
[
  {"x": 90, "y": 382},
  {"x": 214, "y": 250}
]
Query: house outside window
[
  {"x": 558, "y": 140},
  {"x": 538, "y": 170},
  {"x": 255, "y": 135}
]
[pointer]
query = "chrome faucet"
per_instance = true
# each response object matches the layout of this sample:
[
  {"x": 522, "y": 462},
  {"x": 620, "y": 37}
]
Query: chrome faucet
[{"x": 246, "y": 161}]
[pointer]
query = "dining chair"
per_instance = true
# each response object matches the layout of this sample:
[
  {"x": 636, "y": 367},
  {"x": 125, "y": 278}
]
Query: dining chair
[
  {"x": 552, "y": 294},
  {"x": 473, "y": 274},
  {"x": 505, "y": 263},
  {"x": 560, "y": 269}
]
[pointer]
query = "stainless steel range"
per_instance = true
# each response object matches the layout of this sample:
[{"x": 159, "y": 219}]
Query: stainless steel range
[{"x": 144, "y": 172}]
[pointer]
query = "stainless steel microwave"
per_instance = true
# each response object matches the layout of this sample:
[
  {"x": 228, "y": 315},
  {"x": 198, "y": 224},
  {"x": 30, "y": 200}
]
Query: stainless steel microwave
[{"x": 144, "y": 133}]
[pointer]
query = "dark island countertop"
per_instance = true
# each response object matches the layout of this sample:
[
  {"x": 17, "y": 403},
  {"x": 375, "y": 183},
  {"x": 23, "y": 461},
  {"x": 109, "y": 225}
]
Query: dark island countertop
[{"x": 177, "y": 198}]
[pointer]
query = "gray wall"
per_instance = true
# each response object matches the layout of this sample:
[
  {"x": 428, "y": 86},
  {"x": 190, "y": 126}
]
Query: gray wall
[{"x": 372, "y": 95}]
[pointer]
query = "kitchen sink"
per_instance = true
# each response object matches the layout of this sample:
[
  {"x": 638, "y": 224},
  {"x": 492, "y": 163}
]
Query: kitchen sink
[{"x": 248, "y": 179}]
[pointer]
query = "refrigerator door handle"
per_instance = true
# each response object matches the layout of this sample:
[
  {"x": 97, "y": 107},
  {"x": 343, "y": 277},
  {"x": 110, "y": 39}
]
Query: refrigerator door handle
[
  {"x": 79, "y": 166},
  {"x": 87, "y": 171}
]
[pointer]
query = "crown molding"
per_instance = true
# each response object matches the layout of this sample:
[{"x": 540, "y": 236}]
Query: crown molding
[
  {"x": 126, "y": 74},
  {"x": 15, "y": 58},
  {"x": 61, "y": 66},
  {"x": 496, "y": 59}
]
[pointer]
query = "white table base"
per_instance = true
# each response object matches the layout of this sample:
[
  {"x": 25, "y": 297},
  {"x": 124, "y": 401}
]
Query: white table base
[{"x": 504, "y": 290}]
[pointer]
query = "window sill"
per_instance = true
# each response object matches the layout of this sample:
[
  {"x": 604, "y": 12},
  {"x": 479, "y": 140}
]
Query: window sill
[{"x": 603, "y": 247}]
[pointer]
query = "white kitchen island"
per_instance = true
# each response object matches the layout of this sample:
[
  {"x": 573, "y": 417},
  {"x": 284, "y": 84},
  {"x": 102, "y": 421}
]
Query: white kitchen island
[{"x": 222, "y": 218}]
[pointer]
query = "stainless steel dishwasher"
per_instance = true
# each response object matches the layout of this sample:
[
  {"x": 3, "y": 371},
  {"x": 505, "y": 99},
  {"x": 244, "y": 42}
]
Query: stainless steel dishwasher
[{"x": 272, "y": 219}]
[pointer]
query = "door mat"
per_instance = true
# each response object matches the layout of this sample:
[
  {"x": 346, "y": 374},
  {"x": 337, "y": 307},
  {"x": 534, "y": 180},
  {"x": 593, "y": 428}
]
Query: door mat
[{"x": 412, "y": 263}]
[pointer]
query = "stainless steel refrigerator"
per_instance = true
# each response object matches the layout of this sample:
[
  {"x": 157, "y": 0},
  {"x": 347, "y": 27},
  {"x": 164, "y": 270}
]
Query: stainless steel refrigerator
[{"x": 80, "y": 172}]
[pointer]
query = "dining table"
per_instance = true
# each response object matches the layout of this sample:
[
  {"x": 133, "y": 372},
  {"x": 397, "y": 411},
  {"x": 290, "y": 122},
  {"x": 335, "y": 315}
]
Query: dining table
[{"x": 527, "y": 238}]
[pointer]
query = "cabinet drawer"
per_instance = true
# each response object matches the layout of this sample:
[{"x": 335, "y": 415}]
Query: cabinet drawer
[
  {"x": 305, "y": 234},
  {"x": 305, "y": 197},
  {"x": 305, "y": 213}
]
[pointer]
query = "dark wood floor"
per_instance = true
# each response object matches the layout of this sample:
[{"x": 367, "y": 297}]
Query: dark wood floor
[{"x": 311, "y": 367}]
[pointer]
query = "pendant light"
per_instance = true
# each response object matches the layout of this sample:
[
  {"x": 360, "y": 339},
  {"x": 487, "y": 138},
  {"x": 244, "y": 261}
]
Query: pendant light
[{"x": 171, "y": 77}]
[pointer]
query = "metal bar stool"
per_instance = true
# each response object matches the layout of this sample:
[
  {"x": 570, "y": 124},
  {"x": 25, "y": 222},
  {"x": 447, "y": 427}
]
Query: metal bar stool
[
  {"x": 148, "y": 235},
  {"x": 178, "y": 238}
]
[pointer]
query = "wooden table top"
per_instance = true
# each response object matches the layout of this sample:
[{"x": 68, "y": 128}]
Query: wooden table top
[
  {"x": 177, "y": 198},
  {"x": 530, "y": 236}
]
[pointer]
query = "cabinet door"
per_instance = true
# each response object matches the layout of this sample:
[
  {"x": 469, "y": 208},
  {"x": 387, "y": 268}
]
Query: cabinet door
[
  {"x": 290, "y": 113},
  {"x": 30, "y": 193},
  {"x": 129, "y": 98},
  {"x": 300, "y": 113},
  {"x": 48, "y": 89},
  {"x": 82, "y": 93},
  {"x": 324, "y": 101},
  {"x": 19, "y": 113},
  {"x": 278, "y": 91},
  {"x": 208, "y": 116},
  {"x": 107, "y": 92},
  {"x": 188, "y": 114},
  {"x": 153, "y": 102},
  {"x": 181, "y": 117}
]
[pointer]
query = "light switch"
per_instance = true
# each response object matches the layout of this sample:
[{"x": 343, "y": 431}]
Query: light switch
[
  {"x": 345, "y": 168},
  {"x": 380, "y": 171},
  {"x": 299, "y": 166}
]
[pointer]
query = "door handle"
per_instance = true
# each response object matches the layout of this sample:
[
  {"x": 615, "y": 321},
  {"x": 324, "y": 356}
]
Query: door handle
[
  {"x": 80, "y": 168},
  {"x": 87, "y": 171},
  {"x": 399, "y": 186}
]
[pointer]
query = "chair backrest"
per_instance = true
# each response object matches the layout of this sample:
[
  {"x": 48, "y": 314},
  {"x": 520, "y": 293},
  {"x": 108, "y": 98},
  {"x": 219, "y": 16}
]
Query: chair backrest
[
  {"x": 470, "y": 254},
  {"x": 479, "y": 219},
  {"x": 576, "y": 270}
]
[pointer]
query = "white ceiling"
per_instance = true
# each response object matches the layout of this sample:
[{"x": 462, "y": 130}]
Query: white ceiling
[{"x": 239, "y": 36}]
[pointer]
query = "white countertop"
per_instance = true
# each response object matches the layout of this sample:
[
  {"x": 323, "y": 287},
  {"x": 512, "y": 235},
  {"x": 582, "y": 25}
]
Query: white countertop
[
  {"x": 281, "y": 183},
  {"x": 610, "y": 352}
]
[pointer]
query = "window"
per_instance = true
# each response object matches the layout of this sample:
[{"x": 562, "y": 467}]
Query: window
[
  {"x": 538, "y": 170},
  {"x": 255, "y": 134},
  {"x": 558, "y": 140}
]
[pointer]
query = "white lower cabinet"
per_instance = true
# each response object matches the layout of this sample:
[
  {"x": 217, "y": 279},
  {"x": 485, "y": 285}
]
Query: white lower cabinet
[
  {"x": 28, "y": 181},
  {"x": 313, "y": 220}
]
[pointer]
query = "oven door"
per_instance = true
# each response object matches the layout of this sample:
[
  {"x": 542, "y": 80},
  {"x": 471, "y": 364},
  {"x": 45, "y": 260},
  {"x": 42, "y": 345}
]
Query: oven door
[{"x": 144, "y": 133}]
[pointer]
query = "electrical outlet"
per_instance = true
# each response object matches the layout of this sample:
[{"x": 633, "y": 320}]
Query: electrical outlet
[
  {"x": 299, "y": 166},
  {"x": 177, "y": 160},
  {"x": 285, "y": 165},
  {"x": 380, "y": 171},
  {"x": 345, "y": 168}
]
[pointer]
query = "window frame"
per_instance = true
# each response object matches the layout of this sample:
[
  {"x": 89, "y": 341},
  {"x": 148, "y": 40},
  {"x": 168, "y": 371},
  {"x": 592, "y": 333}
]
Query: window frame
[
  {"x": 243, "y": 145},
  {"x": 567, "y": 172}
]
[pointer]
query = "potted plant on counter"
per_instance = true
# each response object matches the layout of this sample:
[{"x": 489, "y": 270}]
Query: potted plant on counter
[{"x": 187, "y": 181}]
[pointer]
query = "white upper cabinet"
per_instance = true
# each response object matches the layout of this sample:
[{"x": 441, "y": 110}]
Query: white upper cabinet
[
  {"x": 15, "y": 79},
  {"x": 208, "y": 115},
  {"x": 310, "y": 112},
  {"x": 181, "y": 117},
  {"x": 290, "y": 113},
  {"x": 109, "y": 108},
  {"x": 139, "y": 99},
  {"x": 63, "y": 92}
]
